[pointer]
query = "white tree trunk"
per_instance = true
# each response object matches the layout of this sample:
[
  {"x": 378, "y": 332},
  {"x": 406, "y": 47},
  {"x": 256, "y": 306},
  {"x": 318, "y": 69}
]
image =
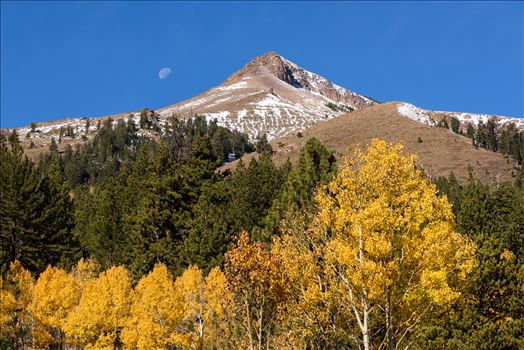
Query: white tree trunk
[{"x": 365, "y": 303}]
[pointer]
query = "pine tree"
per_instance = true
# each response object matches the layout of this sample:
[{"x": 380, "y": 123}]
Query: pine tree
[
  {"x": 492, "y": 142},
  {"x": 57, "y": 217},
  {"x": 35, "y": 212},
  {"x": 455, "y": 125},
  {"x": 60, "y": 135},
  {"x": 166, "y": 190},
  {"x": 144, "y": 122},
  {"x": 481, "y": 136},
  {"x": 519, "y": 180},
  {"x": 53, "y": 147},
  {"x": 491, "y": 302},
  {"x": 470, "y": 131},
  {"x": 315, "y": 166},
  {"x": 253, "y": 190},
  {"x": 210, "y": 231},
  {"x": 262, "y": 144},
  {"x": 100, "y": 222}
]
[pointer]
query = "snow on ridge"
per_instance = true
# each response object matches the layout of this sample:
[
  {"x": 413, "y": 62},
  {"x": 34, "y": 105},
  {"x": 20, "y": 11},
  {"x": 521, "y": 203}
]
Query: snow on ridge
[
  {"x": 42, "y": 130},
  {"x": 415, "y": 113},
  {"x": 316, "y": 79},
  {"x": 273, "y": 113},
  {"x": 273, "y": 101},
  {"x": 240, "y": 85},
  {"x": 475, "y": 118},
  {"x": 291, "y": 63}
]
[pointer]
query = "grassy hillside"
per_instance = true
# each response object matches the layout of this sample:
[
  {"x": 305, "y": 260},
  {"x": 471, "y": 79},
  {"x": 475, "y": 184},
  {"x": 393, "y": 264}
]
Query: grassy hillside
[{"x": 439, "y": 151}]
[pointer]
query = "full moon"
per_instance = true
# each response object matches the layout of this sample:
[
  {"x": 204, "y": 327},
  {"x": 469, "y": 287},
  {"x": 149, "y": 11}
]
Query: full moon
[{"x": 164, "y": 73}]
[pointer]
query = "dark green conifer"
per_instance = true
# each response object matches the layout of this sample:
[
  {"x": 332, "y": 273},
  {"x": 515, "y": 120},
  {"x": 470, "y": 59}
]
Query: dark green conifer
[
  {"x": 455, "y": 125},
  {"x": 316, "y": 166},
  {"x": 35, "y": 212}
]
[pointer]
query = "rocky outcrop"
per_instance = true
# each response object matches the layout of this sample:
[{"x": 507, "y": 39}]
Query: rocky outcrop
[{"x": 277, "y": 66}]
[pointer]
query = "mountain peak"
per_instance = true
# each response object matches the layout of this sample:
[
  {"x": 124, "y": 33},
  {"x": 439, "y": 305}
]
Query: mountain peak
[
  {"x": 271, "y": 95},
  {"x": 269, "y": 63},
  {"x": 273, "y": 65},
  {"x": 268, "y": 58},
  {"x": 269, "y": 54}
]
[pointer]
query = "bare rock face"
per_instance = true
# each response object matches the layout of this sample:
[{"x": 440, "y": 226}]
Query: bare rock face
[{"x": 269, "y": 63}]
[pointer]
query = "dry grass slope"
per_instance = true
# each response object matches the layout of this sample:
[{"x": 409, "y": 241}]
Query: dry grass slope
[{"x": 439, "y": 153}]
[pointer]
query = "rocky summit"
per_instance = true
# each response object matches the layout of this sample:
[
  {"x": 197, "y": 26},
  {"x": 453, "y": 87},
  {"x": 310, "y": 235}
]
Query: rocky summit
[{"x": 271, "y": 95}]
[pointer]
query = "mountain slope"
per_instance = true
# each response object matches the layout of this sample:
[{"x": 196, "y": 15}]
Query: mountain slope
[
  {"x": 439, "y": 150},
  {"x": 273, "y": 95}
]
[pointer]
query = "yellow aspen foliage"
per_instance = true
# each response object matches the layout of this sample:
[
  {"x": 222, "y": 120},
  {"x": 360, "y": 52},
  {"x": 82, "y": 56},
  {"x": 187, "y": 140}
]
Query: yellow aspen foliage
[
  {"x": 55, "y": 294},
  {"x": 315, "y": 316},
  {"x": 219, "y": 317},
  {"x": 206, "y": 301},
  {"x": 260, "y": 287},
  {"x": 156, "y": 313},
  {"x": 16, "y": 294},
  {"x": 391, "y": 248},
  {"x": 102, "y": 310},
  {"x": 191, "y": 286},
  {"x": 85, "y": 270},
  {"x": 8, "y": 309}
]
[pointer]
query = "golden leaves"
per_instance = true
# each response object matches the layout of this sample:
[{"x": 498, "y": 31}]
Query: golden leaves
[
  {"x": 93, "y": 310},
  {"x": 155, "y": 313},
  {"x": 103, "y": 307},
  {"x": 54, "y": 296},
  {"x": 385, "y": 232},
  {"x": 386, "y": 218},
  {"x": 260, "y": 286}
]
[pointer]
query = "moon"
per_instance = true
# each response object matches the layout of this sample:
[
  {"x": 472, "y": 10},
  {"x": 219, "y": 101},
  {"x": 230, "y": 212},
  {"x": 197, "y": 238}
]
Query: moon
[{"x": 164, "y": 73}]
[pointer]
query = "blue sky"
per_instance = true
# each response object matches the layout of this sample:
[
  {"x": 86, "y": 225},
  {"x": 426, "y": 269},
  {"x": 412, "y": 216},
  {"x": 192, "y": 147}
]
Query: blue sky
[{"x": 62, "y": 59}]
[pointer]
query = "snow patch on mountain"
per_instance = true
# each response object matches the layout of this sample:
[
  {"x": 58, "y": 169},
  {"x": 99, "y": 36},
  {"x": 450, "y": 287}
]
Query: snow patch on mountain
[
  {"x": 425, "y": 116},
  {"x": 221, "y": 117},
  {"x": 415, "y": 113},
  {"x": 475, "y": 118},
  {"x": 45, "y": 130},
  {"x": 235, "y": 86}
]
